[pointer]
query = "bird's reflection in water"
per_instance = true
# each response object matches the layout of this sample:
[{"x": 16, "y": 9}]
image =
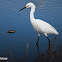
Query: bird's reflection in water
[
  {"x": 50, "y": 46},
  {"x": 50, "y": 55}
]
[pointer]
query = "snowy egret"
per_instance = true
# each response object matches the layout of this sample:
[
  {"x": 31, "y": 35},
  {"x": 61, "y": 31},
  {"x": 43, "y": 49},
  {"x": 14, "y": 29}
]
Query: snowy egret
[{"x": 41, "y": 26}]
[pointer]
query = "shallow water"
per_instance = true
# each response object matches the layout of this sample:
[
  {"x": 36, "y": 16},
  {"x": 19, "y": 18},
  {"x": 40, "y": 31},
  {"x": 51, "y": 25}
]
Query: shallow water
[{"x": 21, "y": 45}]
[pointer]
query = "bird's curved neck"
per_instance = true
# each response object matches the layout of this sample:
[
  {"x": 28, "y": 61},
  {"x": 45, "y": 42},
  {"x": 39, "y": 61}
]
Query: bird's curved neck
[{"x": 32, "y": 13}]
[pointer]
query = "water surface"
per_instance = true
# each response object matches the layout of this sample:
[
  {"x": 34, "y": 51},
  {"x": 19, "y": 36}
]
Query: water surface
[{"x": 21, "y": 46}]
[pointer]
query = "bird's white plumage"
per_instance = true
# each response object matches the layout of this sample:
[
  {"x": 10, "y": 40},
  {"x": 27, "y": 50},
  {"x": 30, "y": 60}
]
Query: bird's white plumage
[
  {"x": 44, "y": 27},
  {"x": 40, "y": 25}
]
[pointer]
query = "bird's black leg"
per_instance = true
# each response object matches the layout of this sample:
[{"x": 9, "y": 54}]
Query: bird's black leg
[
  {"x": 38, "y": 49},
  {"x": 49, "y": 42},
  {"x": 37, "y": 40}
]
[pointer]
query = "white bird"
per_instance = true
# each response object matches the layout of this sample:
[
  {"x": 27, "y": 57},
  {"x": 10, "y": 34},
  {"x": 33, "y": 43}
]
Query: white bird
[{"x": 41, "y": 26}]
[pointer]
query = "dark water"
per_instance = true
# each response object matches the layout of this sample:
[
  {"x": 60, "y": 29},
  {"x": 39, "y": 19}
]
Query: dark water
[{"x": 21, "y": 46}]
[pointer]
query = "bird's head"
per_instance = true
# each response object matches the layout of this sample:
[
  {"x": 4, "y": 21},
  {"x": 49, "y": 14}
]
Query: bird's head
[{"x": 28, "y": 5}]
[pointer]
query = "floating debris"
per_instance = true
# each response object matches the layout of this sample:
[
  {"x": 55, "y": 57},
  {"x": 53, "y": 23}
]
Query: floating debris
[{"x": 11, "y": 31}]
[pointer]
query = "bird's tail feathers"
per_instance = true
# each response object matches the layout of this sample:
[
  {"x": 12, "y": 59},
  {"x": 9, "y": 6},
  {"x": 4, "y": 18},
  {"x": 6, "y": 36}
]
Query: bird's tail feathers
[{"x": 56, "y": 33}]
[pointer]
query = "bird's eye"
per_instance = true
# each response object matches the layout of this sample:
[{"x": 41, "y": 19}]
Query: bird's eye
[{"x": 27, "y": 6}]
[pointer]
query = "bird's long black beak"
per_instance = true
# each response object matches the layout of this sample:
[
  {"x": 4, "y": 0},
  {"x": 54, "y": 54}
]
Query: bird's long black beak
[{"x": 22, "y": 9}]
